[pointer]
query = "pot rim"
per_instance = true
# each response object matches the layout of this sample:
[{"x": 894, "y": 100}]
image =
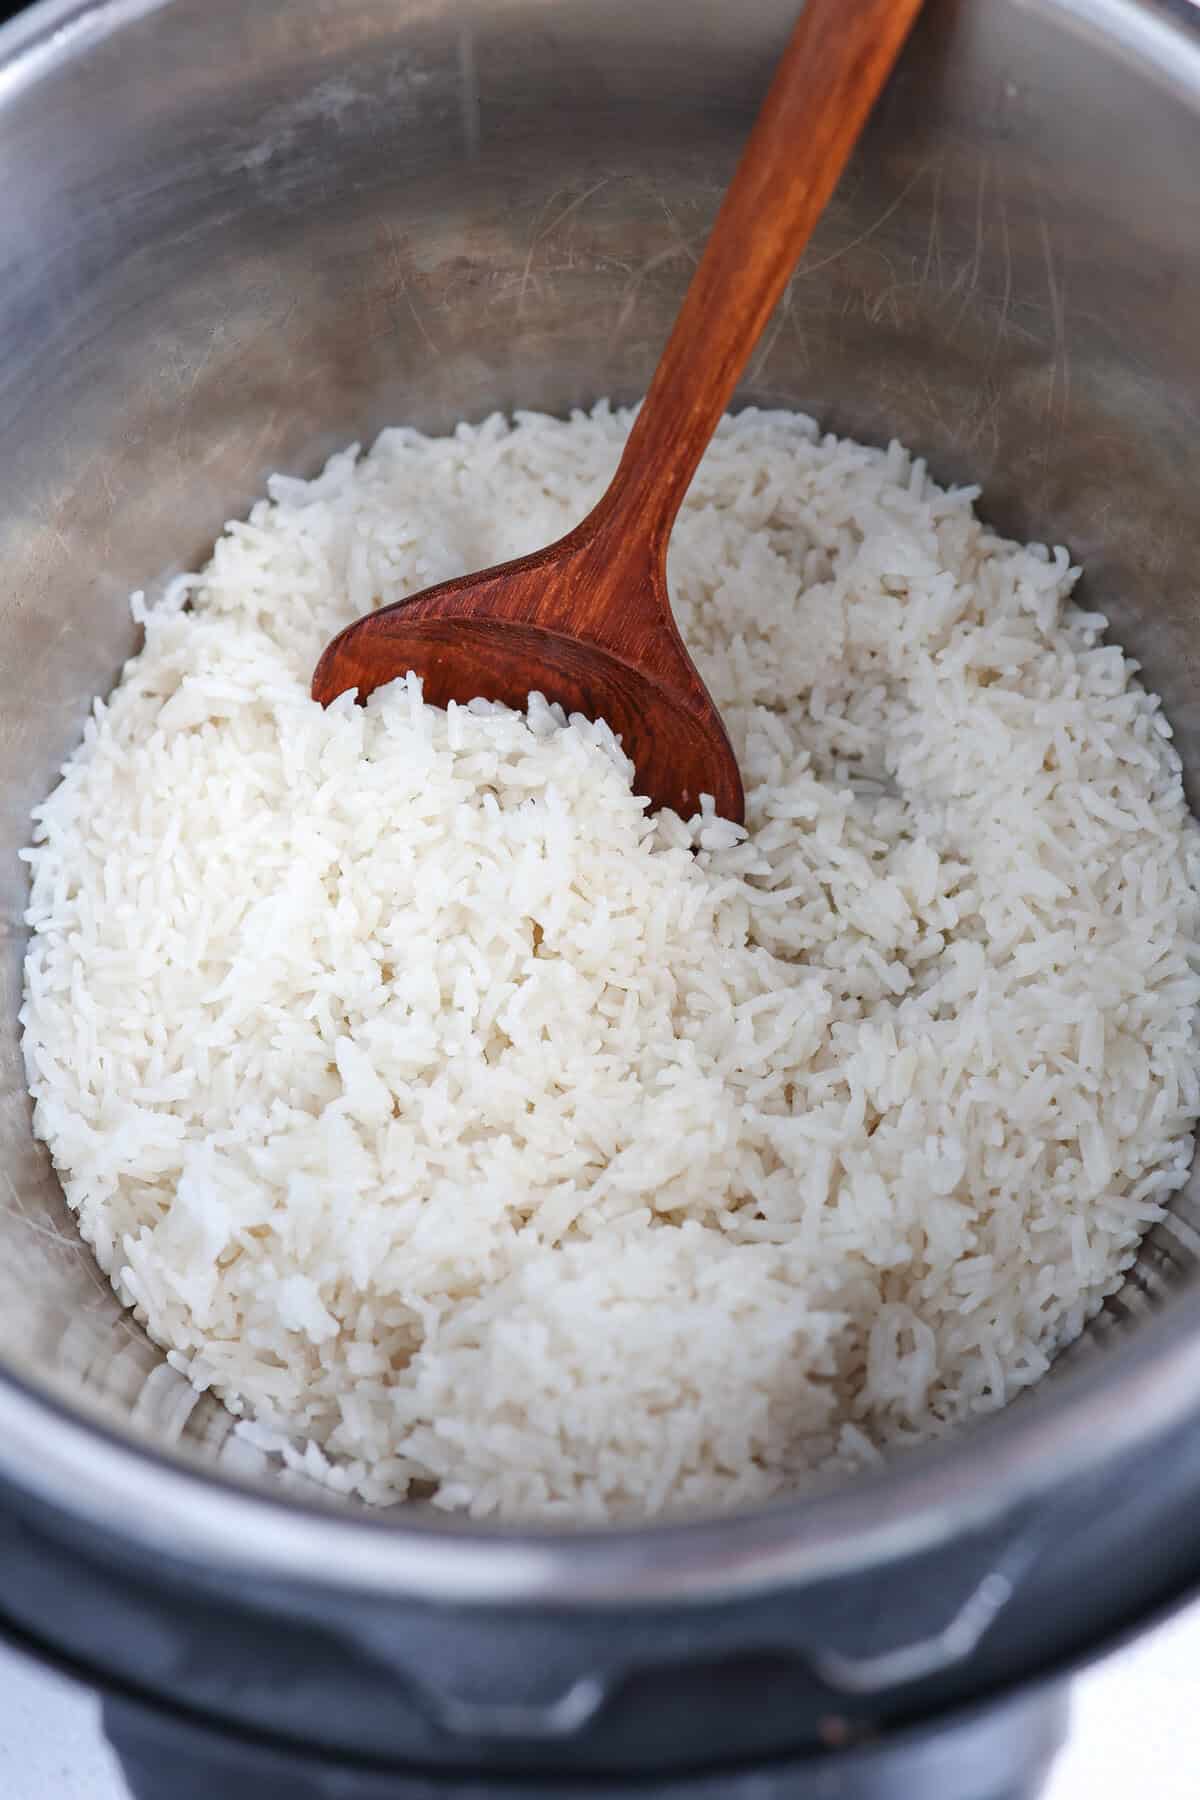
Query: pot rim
[{"x": 1120, "y": 1401}]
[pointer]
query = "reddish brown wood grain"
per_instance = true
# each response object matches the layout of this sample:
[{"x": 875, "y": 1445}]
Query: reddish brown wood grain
[{"x": 587, "y": 620}]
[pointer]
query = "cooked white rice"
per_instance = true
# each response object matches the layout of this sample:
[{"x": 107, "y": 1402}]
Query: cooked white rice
[{"x": 459, "y": 1125}]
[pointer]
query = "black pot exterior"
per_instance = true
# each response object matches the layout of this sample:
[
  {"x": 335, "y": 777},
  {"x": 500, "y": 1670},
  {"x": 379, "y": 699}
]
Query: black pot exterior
[
  {"x": 793, "y": 1685},
  {"x": 1003, "y": 1753}
]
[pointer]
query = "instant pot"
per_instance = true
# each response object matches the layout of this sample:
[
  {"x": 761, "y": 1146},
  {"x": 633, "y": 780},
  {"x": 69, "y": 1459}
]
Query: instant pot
[{"x": 235, "y": 235}]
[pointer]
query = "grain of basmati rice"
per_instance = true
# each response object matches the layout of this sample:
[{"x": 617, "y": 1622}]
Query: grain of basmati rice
[{"x": 461, "y": 1125}]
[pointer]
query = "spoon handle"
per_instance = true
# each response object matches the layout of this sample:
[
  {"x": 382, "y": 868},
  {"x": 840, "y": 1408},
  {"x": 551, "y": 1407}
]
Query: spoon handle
[{"x": 836, "y": 62}]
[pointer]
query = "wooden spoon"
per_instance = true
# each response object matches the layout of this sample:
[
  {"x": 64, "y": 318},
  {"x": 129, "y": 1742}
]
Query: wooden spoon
[{"x": 587, "y": 622}]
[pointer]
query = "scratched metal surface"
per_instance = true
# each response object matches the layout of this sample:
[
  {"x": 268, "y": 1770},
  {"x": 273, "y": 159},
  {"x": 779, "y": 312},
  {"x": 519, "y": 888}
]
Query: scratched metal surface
[{"x": 249, "y": 233}]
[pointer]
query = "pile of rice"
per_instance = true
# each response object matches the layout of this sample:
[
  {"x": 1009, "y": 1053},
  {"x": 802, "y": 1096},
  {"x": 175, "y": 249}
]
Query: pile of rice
[{"x": 464, "y": 1127}]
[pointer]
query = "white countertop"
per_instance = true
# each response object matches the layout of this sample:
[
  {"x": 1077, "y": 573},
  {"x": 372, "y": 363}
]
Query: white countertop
[{"x": 1136, "y": 1729}]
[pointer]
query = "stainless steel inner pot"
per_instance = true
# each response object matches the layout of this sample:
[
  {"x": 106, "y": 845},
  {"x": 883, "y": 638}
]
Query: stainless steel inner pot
[{"x": 238, "y": 233}]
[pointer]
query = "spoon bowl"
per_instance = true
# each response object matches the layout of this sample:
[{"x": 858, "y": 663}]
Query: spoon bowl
[
  {"x": 483, "y": 635},
  {"x": 461, "y": 659}
]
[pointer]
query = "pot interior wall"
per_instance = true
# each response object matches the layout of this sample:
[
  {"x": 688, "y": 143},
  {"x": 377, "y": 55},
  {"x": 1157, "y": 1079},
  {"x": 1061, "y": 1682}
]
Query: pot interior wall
[{"x": 237, "y": 236}]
